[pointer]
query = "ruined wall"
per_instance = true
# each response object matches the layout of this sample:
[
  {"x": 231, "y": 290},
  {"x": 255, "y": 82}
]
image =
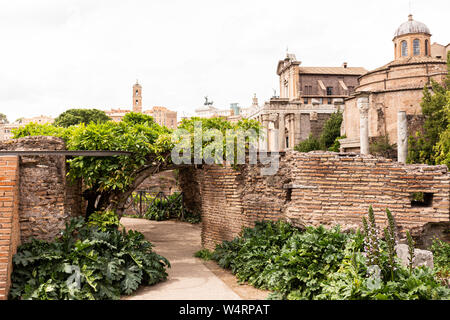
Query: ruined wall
[
  {"x": 319, "y": 188},
  {"x": 9, "y": 219},
  {"x": 47, "y": 197}
]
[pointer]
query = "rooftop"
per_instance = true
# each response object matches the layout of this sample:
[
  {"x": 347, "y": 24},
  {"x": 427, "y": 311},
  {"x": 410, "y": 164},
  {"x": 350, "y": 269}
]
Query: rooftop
[
  {"x": 333, "y": 70},
  {"x": 411, "y": 26}
]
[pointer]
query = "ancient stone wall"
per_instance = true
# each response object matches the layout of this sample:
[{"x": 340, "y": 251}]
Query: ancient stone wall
[
  {"x": 9, "y": 219},
  {"x": 47, "y": 197},
  {"x": 320, "y": 188}
]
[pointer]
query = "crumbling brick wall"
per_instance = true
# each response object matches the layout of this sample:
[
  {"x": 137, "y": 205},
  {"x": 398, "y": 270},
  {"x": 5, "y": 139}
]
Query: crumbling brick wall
[
  {"x": 318, "y": 188},
  {"x": 9, "y": 219},
  {"x": 47, "y": 196}
]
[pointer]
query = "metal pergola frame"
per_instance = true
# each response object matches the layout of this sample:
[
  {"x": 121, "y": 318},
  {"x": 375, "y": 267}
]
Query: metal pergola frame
[{"x": 73, "y": 153}]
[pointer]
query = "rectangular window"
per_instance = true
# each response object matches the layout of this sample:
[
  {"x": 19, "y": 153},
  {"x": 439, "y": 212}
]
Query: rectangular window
[
  {"x": 329, "y": 91},
  {"x": 421, "y": 199},
  {"x": 308, "y": 89},
  {"x": 330, "y": 101},
  {"x": 305, "y": 100}
]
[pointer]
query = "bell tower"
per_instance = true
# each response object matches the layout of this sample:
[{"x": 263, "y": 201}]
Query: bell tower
[{"x": 137, "y": 97}]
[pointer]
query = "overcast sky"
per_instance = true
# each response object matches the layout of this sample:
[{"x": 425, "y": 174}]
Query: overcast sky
[{"x": 60, "y": 54}]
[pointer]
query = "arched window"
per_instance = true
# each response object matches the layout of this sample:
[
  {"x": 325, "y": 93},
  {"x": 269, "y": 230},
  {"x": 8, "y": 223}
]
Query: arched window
[
  {"x": 416, "y": 47},
  {"x": 404, "y": 48},
  {"x": 426, "y": 47}
]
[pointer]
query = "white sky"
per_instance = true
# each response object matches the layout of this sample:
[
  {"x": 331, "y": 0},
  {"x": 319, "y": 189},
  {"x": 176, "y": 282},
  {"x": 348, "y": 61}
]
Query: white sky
[{"x": 60, "y": 54}]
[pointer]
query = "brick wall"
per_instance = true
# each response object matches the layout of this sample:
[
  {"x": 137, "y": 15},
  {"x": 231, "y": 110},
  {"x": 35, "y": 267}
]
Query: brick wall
[
  {"x": 47, "y": 197},
  {"x": 318, "y": 188},
  {"x": 9, "y": 219}
]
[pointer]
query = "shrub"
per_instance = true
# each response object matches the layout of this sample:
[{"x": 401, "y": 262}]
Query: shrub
[
  {"x": 86, "y": 262},
  {"x": 320, "y": 263},
  {"x": 104, "y": 220},
  {"x": 331, "y": 130},
  {"x": 308, "y": 145},
  {"x": 328, "y": 139},
  {"x": 337, "y": 144},
  {"x": 441, "y": 259},
  {"x": 204, "y": 254},
  {"x": 380, "y": 146},
  {"x": 164, "y": 209}
]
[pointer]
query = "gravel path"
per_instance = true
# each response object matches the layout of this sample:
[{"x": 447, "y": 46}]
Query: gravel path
[{"x": 189, "y": 278}]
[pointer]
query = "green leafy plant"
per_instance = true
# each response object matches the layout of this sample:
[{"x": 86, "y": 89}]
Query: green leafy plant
[
  {"x": 76, "y": 116},
  {"x": 441, "y": 259},
  {"x": 337, "y": 144},
  {"x": 109, "y": 181},
  {"x": 104, "y": 220},
  {"x": 320, "y": 263},
  {"x": 204, "y": 254},
  {"x": 431, "y": 145},
  {"x": 328, "y": 139},
  {"x": 331, "y": 131},
  {"x": 411, "y": 244},
  {"x": 390, "y": 237},
  {"x": 310, "y": 144},
  {"x": 380, "y": 146},
  {"x": 86, "y": 262}
]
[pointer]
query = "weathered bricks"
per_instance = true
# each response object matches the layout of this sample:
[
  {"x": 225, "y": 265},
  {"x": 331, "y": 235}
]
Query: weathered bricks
[
  {"x": 9, "y": 219},
  {"x": 335, "y": 190}
]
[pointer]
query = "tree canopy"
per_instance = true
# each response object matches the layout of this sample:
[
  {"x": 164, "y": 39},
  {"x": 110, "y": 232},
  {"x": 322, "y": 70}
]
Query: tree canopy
[
  {"x": 76, "y": 116},
  {"x": 110, "y": 180},
  {"x": 431, "y": 146},
  {"x": 328, "y": 139}
]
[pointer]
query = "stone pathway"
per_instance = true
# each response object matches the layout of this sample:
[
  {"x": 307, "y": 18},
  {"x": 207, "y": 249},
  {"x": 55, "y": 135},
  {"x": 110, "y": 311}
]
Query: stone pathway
[{"x": 189, "y": 278}]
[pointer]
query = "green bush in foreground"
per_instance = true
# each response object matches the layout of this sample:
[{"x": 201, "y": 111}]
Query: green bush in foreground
[
  {"x": 319, "y": 263},
  {"x": 89, "y": 261},
  {"x": 441, "y": 259}
]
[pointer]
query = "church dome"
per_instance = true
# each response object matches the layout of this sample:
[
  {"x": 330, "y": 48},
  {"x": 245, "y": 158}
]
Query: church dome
[{"x": 411, "y": 26}]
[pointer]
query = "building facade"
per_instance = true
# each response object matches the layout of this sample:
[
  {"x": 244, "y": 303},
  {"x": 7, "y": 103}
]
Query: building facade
[
  {"x": 6, "y": 128},
  {"x": 161, "y": 115},
  {"x": 385, "y": 93},
  {"x": 308, "y": 96}
]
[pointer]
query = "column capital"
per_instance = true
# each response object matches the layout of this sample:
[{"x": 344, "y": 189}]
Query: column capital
[{"x": 363, "y": 104}]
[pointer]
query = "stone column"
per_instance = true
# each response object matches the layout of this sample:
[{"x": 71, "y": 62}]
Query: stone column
[
  {"x": 363, "y": 106},
  {"x": 291, "y": 131},
  {"x": 264, "y": 140},
  {"x": 274, "y": 140},
  {"x": 281, "y": 131},
  {"x": 297, "y": 133},
  {"x": 402, "y": 137}
]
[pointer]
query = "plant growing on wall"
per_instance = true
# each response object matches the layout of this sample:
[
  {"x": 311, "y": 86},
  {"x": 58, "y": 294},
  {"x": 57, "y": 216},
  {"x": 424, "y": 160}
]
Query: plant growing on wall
[{"x": 109, "y": 181}]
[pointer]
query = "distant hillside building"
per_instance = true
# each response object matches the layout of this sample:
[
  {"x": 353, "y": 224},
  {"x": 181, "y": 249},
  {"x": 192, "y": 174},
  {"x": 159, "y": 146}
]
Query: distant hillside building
[
  {"x": 6, "y": 128},
  {"x": 161, "y": 115}
]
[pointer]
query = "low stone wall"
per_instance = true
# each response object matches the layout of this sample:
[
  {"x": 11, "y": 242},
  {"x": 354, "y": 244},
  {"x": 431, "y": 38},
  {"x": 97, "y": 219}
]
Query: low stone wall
[
  {"x": 9, "y": 219},
  {"x": 319, "y": 188}
]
